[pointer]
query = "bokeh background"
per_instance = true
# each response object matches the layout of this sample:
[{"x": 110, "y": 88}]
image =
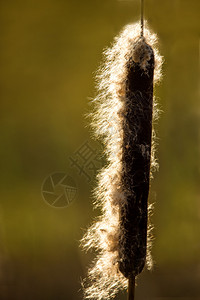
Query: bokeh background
[{"x": 50, "y": 50}]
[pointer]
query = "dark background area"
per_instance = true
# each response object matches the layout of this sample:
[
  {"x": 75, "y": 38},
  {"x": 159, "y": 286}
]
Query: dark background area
[{"x": 50, "y": 50}]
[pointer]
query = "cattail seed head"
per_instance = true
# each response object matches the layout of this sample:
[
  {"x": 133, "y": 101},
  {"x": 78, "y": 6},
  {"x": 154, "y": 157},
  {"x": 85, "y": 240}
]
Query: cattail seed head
[
  {"x": 136, "y": 155},
  {"x": 122, "y": 117}
]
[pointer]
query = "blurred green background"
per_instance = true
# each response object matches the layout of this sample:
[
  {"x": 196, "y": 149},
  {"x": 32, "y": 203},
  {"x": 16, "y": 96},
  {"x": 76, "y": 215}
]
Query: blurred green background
[{"x": 50, "y": 50}]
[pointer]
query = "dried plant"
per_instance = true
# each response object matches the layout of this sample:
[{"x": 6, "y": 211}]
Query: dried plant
[{"x": 123, "y": 118}]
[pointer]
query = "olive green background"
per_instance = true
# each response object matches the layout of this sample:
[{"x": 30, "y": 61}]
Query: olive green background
[{"x": 49, "y": 52}]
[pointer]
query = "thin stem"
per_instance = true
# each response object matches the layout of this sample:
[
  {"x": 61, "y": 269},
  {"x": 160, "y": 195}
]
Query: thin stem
[
  {"x": 131, "y": 288},
  {"x": 142, "y": 17}
]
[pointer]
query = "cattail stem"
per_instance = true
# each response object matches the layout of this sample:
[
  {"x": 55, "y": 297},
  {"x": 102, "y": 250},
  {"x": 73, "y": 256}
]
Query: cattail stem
[
  {"x": 142, "y": 17},
  {"x": 131, "y": 288}
]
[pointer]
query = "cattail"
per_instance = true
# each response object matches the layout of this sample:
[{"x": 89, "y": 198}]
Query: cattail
[
  {"x": 123, "y": 118},
  {"x": 136, "y": 155}
]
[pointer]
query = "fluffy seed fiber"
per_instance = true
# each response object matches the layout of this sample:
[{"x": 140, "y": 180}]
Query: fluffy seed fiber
[{"x": 105, "y": 279}]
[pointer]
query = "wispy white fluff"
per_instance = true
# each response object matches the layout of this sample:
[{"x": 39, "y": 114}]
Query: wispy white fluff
[{"x": 105, "y": 280}]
